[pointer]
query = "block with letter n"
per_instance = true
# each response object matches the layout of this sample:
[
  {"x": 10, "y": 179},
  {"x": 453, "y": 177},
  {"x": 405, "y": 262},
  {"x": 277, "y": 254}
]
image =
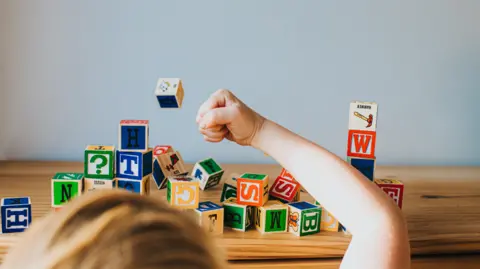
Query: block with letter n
[
  {"x": 361, "y": 144},
  {"x": 284, "y": 189},
  {"x": 183, "y": 192},
  {"x": 272, "y": 217},
  {"x": 208, "y": 172},
  {"x": 304, "y": 218},
  {"x": 210, "y": 217},
  {"x": 134, "y": 164},
  {"x": 229, "y": 189},
  {"x": 65, "y": 187},
  {"x": 365, "y": 165},
  {"x": 166, "y": 165},
  {"x": 99, "y": 162},
  {"x": 252, "y": 189},
  {"x": 16, "y": 214},
  {"x": 141, "y": 187},
  {"x": 169, "y": 92},
  {"x": 133, "y": 135},
  {"x": 393, "y": 188},
  {"x": 236, "y": 216}
]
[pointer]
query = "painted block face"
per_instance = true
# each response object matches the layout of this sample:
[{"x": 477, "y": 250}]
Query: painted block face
[
  {"x": 16, "y": 214},
  {"x": 92, "y": 184},
  {"x": 210, "y": 217},
  {"x": 136, "y": 186},
  {"x": 329, "y": 222},
  {"x": 169, "y": 92},
  {"x": 229, "y": 189},
  {"x": 271, "y": 217},
  {"x": 66, "y": 186},
  {"x": 361, "y": 144},
  {"x": 252, "y": 189},
  {"x": 99, "y": 162},
  {"x": 133, "y": 135},
  {"x": 366, "y": 166},
  {"x": 208, "y": 172},
  {"x": 134, "y": 164},
  {"x": 161, "y": 149},
  {"x": 183, "y": 192},
  {"x": 284, "y": 189},
  {"x": 394, "y": 188},
  {"x": 168, "y": 165},
  {"x": 285, "y": 174},
  {"x": 363, "y": 116},
  {"x": 238, "y": 217},
  {"x": 304, "y": 218}
]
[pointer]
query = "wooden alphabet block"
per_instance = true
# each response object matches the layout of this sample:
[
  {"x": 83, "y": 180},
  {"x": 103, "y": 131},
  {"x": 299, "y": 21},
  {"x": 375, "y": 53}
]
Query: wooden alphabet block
[
  {"x": 169, "y": 92},
  {"x": 133, "y": 135},
  {"x": 134, "y": 164},
  {"x": 92, "y": 184},
  {"x": 168, "y": 165},
  {"x": 210, "y": 217},
  {"x": 229, "y": 189},
  {"x": 272, "y": 217},
  {"x": 284, "y": 189},
  {"x": 329, "y": 222},
  {"x": 252, "y": 189},
  {"x": 304, "y": 218},
  {"x": 66, "y": 186},
  {"x": 285, "y": 174},
  {"x": 16, "y": 214},
  {"x": 183, "y": 192},
  {"x": 392, "y": 187},
  {"x": 99, "y": 162},
  {"x": 364, "y": 165},
  {"x": 141, "y": 187},
  {"x": 361, "y": 144},
  {"x": 363, "y": 116},
  {"x": 238, "y": 217},
  {"x": 161, "y": 149},
  {"x": 208, "y": 172}
]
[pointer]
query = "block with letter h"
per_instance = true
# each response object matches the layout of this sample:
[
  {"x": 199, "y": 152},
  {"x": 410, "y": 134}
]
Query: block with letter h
[
  {"x": 169, "y": 164},
  {"x": 141, "y": 187},
  {"x": 133, "y": 135},
  {"x": 304, "y": 218},
  {"x": 284, "y": 189},
  {"x": 65, "y": 187},
  {"x": 252, "y": 189},
  {"x": 99, "y": 162},
  {"x": 183, "y": 192},
  {"x": 392, "y": 187},
  {"x": 210, "y": 217},
  {"x": 16, "y": 214},
  {"x": 272, "y": 217},
  {"x": 238, "y": 217},
  {"x": 134, "y": 164},
  {"x": 208, "y": 172}
]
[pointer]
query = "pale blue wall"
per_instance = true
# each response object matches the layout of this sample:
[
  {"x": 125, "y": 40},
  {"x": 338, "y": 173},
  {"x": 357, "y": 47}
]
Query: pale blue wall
[{"x": 93, "y": 63}]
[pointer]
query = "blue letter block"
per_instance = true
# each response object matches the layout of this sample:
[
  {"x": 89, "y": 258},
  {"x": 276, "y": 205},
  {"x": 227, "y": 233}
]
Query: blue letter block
[
  {"x": 16, "y": 214},
  {"x": 134, "y": 165}
]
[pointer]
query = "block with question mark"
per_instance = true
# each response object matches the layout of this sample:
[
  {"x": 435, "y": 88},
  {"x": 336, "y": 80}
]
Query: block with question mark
[
  {"x": 99, "y": 162},
  {"x": 134, "y": 164},
  {"x": 141, "y": 187},
  {"x": 65, "y": 187},
  {"x": 133, "y": 135}
]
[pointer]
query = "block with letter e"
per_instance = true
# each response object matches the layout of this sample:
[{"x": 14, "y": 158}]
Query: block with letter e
[
  {"x": 99, "y": 162},
  {"x": 284, "y": 189},
  {"x": 365, "y": 165},
  {"x": 210, "y": 217},
  {"x": 134, "y": 164},
  {"x": 238, "y": 217},
  {"x": 133, "y": 135},
  {"x": 272, "y": 217},
  {"x": 361, "y": 144},
  {"x": 183, "y": 192},
  {"x": 393, "y": 188},
  {"x": 304, "y": 218},
  {"x": 16, "y": 214},
  {"x": 65, "y": 187},
  {"x": 252, "y": 189},
  {"x": 141, "y": 187}
]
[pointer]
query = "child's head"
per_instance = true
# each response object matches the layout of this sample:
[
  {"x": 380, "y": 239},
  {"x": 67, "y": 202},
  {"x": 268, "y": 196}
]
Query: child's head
[{"x": 114, "y": 229}]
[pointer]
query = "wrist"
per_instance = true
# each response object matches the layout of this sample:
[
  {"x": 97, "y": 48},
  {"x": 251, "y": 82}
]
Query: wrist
[{"x": 260, "y": 133}]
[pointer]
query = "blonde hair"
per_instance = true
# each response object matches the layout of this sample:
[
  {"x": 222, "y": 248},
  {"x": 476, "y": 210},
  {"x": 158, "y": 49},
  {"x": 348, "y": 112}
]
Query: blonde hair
[{"x": 115, "y": 229}]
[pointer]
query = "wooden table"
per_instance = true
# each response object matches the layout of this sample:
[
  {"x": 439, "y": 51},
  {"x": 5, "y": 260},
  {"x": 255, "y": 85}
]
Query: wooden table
[{"x": 441, "y": 204}]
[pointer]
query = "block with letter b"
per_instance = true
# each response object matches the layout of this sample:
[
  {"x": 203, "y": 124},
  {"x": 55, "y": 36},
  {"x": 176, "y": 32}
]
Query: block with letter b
[
  {"x": 284, "y": 189},
  {"x": 134, "y": 164},
  {"x": 99, "y": 162},
  {"x": 16, "y": 214},
  {"x": 363, "y": 116},
  {"x": 238, "y": 217},
  {"x": 210, "y": 217},
  {"x": 361, "y": 144},
  {"x": 66, "y": 186},
  {"x": 166, "y": 165},
  {"x": 169, "y": 92},
  {"x": 133, "y": 135},
  {"x": 183, "y": 192},
  {"x": 304, "y": 218},
  {"x": 208, "y": 172},
  {"x": 141, "y": 187},
  {"x": 229, "y": 189},
  {"x": 252, "y": 189},
  {"x": 392, "y": 187},
  {"x": 365, "y": 165},
  {"x": 272, "y": 217}
]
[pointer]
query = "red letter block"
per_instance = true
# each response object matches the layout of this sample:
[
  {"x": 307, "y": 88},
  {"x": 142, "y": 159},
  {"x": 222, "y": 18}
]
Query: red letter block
[
  {"x": 392, "y": 187},
  {"x": 284, "y": 189},
  {"x": 361, "y": 144}
]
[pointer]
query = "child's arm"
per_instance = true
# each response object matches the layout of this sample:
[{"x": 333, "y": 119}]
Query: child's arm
[{"x": 379, "y": 232}]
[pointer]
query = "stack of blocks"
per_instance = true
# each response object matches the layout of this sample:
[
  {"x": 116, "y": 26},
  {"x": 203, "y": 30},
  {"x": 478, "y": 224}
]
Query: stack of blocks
[{"x": 16, "y": 214}]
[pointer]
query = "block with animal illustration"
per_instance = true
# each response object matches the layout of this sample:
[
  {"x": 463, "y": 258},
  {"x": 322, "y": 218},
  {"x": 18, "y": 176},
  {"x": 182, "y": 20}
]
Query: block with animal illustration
[
  {"x": 166, "y": 165},
  {"x": 252, "y": 189},
  {"x": 365, "y": 165},
  {"x": 237, "y": 216},
  {"x": 162, "y": 149},
  {"x": 393, "y": 188},
  {"x": 141, "y": 187},
  {"x": 133, "y": 135},
  {"x": 65, "y": 187},
  {"x": 210, "y": 217},
  {"x": 304, "y": 218},
  {"x": 183, "y": 192},
  {"x": 272, "y": 217},
  {"x": 361, "y": 143},
  {"x": 329, "y": 222},
  {"x": 169, "y": 92},
  {"x": 134, "y": 164},
  {"x": 229, "y": 189},
  {"x": 208, "y": 172},
  {"x": 284, "y": 189},
  {"x": 16, "y": 214},
  {"x": 99, "y": 162},
  {"x": 363, "y": 116},
  {"x": 93, "y": 184}
]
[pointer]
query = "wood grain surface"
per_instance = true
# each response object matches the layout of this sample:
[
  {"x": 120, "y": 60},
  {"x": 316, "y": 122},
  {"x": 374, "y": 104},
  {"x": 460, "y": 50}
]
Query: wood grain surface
[{"x": 441, "y": 205}]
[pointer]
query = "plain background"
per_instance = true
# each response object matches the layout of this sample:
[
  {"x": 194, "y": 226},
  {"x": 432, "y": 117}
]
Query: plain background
[{"x": 71, "y": 70}]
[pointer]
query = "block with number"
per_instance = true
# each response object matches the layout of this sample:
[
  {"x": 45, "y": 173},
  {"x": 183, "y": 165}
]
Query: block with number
[
  {"x": 136, "y": 186},
  {"x": 134, "y": 164},
  {"x": 304, "y": 218},
  {"x": 183, "y": 192},
  {"x": 92, "y": 184},
  {"x": 208, "y": 172},
  {"x": 392, "y": 187},
  {"x": 272, "y": 217},
  {"x": 229, "y": 189},
  {"x": 16, "y": 214},
  {"x": 133, "y": 135},
  {"x": 66, "y": 186},
  {"x": 361, "y": 144},
  {"x": 161, "y": 149},
  {"x": 365, "y": 165},
  {"x": 284, "y": 189},
  {"x": 238, "y": 217},
  {"x": 99, "y": 162},
  {"x": 252, "y": 189},
  {"x": 363, "y": 116},
  {"x": 166, "y": 165},
  {"x": 169, "y": 92},
  {"x": 210, "y": 217}
]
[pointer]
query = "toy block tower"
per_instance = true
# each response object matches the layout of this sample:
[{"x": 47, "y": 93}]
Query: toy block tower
[
  {"x": 183, "y": 192},
  {"x": 252, "y": 189},
  {"x": 210, "y": 217},
  {"x": 169, "y": 92},
  {"x": 167, "y": 163},
  {"x": 208, "y": 172},
  {"x": 16, "y": 214},
  {"x": 304, "y": 218},
  {"x": 66, "y": 186},
  {"x": 272, "y": 217},
  {"x": 237, "y": 216}
]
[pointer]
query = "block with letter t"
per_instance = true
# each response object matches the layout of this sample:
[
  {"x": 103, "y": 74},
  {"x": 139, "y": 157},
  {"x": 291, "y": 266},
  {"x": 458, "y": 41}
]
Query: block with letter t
[
  {"x": 183, "y": 192},
  {"x": 304, "y": 218},
  {"x": 208, "y": 172},
  {"x": 134, "y": 164},
  {"x": 284, "y": 189},
  {"x": 65, "y": 187},
  {"x": 272, "y": 217},
  {"x": 99, "y": 162},
  {"x": 393, "y": 188},
  {"x": 141, "y": 187},
  {"x": 210, "y": 217},
  {"x": 365, "y": 165},
  {"x": 238, "y": 217},
  {"x": 169, "y": 92},
  {"x": 133, "y": 135},
  {"x": 16, "y": 214},
  {"x": 252, "y": 189}
]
